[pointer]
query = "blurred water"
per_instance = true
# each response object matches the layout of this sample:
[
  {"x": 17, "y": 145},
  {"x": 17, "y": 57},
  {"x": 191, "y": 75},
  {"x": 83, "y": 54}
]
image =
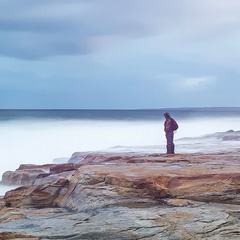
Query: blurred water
[
  {"x": 5, "y": 188},
  {"x": 38, "y": 137}
]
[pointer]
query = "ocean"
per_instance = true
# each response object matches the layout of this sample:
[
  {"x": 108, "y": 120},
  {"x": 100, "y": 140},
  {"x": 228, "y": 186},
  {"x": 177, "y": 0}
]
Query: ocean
[{"x": 47, "y": 136}]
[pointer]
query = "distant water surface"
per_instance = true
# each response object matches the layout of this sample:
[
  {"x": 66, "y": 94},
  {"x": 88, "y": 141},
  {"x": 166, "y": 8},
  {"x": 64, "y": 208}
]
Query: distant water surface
[
  {"x": 145, "y": 114},
  {"x": 40, "y": 136}
]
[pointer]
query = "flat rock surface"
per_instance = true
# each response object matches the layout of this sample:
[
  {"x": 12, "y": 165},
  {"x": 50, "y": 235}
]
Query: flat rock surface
[{"x": 126, "y": 196}]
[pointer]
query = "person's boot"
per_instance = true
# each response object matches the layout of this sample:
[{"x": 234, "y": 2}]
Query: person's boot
[
  {"x": 169, "y": 149},
  {"x": 172, "y": 149}
]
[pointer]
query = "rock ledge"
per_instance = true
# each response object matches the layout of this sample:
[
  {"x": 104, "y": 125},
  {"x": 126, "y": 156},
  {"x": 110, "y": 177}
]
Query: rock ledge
[{"x": 126, "y": 196}]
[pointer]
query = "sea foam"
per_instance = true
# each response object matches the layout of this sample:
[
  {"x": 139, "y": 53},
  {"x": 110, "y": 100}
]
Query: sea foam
[{"x": 40, "y": 141}]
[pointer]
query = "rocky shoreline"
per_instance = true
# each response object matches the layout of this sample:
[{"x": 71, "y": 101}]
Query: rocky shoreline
[{"x": 125, "y": 196}]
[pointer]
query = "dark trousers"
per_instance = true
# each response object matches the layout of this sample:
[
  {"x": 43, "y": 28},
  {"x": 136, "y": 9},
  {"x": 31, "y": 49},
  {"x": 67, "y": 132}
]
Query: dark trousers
[{"x": 170, "y": 144}]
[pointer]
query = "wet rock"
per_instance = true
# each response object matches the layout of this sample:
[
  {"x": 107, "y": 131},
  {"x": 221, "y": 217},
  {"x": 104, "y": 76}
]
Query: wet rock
[
  {"x": 26, "y": 174},
  {"x": 38, "y": 196},
  {"x": 231, "y": 136},
  {"x": 22, "y": 177},
  {"x": 30, "y": 174}
]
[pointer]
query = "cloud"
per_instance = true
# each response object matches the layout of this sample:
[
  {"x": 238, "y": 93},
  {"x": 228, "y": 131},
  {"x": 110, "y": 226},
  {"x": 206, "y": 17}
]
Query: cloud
[
  {"x": 147, "y": 50},
  {"x": 34, "y": 30},
  {"x": 197, "y": 83},
  {"x": 31, "y": 30}
]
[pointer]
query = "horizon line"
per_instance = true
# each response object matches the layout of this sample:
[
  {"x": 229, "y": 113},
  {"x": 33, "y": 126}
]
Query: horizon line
[{"x": 109, "y": 109}]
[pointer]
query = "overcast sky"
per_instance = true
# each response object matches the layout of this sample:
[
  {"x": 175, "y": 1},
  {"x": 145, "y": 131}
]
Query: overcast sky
[{"x": 119, "y": 54}]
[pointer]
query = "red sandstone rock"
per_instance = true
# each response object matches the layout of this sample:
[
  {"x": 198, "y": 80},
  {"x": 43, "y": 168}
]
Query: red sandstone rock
[
  {"x": 59, "y": 168},
  {"x": 210, "y": 178},
  {"x": 142, "y": 196}
]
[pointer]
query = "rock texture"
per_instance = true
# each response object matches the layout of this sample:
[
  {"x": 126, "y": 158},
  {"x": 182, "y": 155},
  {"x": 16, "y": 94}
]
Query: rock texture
[
  {"x": 125, "y": 196},
  {"x": 30, "y": 174}
]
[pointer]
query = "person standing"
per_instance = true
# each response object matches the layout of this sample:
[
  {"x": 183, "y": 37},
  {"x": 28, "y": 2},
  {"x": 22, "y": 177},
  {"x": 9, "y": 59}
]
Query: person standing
[{"x": 170, "y": 126}]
